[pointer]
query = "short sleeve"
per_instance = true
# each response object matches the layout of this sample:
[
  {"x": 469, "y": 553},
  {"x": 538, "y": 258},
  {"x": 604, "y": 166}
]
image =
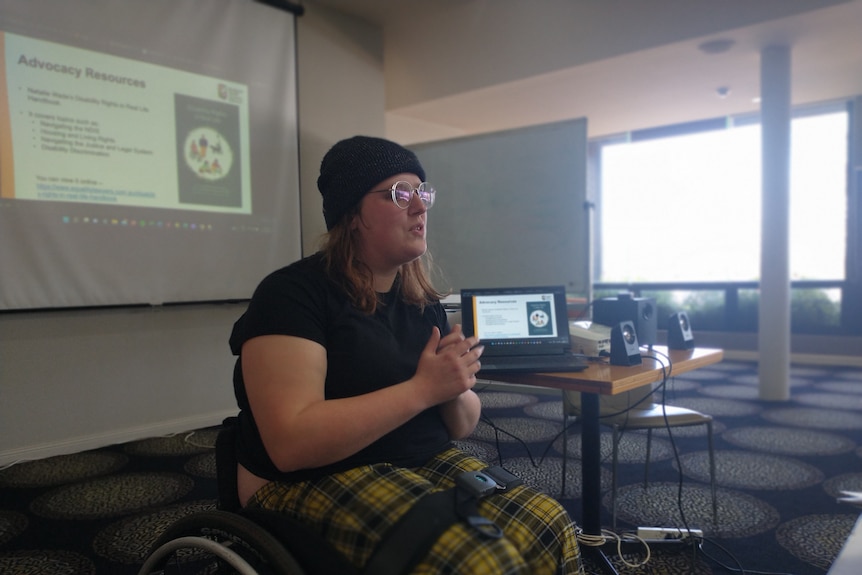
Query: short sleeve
[{"x": 291, "y": 301}]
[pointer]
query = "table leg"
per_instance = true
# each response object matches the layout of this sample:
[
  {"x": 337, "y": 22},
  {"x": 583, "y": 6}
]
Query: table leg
[
  {"x": 591, "y": 478},
  {"x": 591, "y": 475}
]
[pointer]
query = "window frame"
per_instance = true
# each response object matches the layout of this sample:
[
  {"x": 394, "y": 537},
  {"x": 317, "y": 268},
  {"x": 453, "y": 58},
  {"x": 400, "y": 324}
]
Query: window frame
[{"x": 851, "y": 298}]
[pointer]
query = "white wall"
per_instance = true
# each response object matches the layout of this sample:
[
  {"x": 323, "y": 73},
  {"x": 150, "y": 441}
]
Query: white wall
[
  {"x": 76, "y": 380},
  {"x": 341, "y": 93}
]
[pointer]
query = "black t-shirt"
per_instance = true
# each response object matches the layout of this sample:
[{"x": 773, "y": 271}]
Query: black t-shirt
[{"x": 364, "y": 353}]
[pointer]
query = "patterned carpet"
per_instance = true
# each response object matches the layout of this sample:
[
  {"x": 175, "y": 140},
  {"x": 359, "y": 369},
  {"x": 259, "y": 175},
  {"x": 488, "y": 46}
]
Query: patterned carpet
[{"x": 779, "y": 468}]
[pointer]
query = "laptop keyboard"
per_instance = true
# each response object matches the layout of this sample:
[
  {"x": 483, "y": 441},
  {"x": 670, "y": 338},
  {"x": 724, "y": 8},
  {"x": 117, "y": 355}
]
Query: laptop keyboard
[{"x": 550, "y": 363}]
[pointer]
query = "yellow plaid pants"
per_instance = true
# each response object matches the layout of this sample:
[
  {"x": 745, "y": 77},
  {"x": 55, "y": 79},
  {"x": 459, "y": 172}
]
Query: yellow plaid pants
[{"x": 354, "y": 510}]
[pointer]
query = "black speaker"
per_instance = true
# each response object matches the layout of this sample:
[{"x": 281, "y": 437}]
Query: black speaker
[
  {"x": 625, "y": 349},
  {"x": 641, "y": 311},
  {"x": 679, "y": 334}
]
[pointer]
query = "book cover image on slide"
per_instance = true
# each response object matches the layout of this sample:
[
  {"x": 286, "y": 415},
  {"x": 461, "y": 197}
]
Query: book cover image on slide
[
  {"x": 209, "y": 167},
  {"x": 540, "y": 318}
]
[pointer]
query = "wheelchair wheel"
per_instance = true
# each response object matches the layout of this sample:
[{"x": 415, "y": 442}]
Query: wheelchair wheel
[{"x": 219, "y": 542}]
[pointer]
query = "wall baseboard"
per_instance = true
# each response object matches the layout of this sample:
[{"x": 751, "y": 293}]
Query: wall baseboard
[
  {"x": 799, "y": 358},
  {"x": 113, "y": 437},
  {"x": 805, "y": 349}
]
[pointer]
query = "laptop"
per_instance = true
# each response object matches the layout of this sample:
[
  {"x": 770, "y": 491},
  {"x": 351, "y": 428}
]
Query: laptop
[{"x": 523, "y": 329}]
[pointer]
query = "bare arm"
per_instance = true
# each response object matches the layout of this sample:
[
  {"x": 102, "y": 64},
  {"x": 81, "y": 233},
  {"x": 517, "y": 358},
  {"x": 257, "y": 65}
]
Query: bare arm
[
  {"x": 462, "y": 413},
  {"x": 284, "y": 379}
]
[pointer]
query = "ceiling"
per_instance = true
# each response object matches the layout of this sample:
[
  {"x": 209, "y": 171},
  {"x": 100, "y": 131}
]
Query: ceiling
[{"x": 665, "y": 85}]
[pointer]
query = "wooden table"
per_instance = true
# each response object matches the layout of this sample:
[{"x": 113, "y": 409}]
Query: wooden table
[{"x": 605, "y": 379}]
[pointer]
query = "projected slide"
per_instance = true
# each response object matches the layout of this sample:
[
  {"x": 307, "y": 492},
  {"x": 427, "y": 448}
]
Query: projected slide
[
  {"x": 148, "y": 151},
  {"x": 100, "y": 129}
]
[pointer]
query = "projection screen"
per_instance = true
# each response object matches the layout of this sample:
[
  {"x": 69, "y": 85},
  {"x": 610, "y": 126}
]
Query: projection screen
[{"x": 148, "y": 151}]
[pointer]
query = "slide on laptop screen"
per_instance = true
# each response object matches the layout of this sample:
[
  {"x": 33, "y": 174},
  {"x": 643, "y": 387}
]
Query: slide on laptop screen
[{"x": 523, "y": 329}]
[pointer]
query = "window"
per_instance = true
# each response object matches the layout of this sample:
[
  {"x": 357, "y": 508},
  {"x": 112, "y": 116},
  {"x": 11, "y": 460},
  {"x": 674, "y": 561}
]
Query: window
[{"x": 683, "y": 204}]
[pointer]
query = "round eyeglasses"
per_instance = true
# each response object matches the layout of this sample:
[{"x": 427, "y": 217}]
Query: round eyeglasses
[{"x": 402, "y": 192}]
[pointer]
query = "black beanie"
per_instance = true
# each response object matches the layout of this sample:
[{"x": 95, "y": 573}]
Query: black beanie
[{"x": 352, "y": 166}]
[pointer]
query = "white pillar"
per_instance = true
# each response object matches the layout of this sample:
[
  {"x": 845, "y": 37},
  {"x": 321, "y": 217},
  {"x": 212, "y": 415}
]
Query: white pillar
[{"x": 774, "y": 318}]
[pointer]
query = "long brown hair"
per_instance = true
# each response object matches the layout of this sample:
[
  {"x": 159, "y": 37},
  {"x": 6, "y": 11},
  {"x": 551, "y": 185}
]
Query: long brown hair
[{"x": 339, "y": 250}]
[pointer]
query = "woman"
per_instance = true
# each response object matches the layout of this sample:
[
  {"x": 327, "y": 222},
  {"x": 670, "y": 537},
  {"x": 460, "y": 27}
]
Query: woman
[{"x": 351, "y": 385}]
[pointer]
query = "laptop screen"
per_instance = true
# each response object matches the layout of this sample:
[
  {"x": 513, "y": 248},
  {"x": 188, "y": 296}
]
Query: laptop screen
[{"x": 517, "y": 321}]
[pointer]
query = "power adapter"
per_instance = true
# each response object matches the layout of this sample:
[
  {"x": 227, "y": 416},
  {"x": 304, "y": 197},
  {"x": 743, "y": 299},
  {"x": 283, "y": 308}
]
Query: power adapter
[{"x": 660, "y": 533}]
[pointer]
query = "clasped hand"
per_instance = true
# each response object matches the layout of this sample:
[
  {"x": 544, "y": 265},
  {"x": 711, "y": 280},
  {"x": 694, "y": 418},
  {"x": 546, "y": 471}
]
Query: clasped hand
[{"x": 450, "y": 364}]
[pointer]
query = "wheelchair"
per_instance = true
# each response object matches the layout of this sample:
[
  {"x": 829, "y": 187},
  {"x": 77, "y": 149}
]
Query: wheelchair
[
  {"x": 252, "y": 541},
  {"x": 232, "y": 539}
]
